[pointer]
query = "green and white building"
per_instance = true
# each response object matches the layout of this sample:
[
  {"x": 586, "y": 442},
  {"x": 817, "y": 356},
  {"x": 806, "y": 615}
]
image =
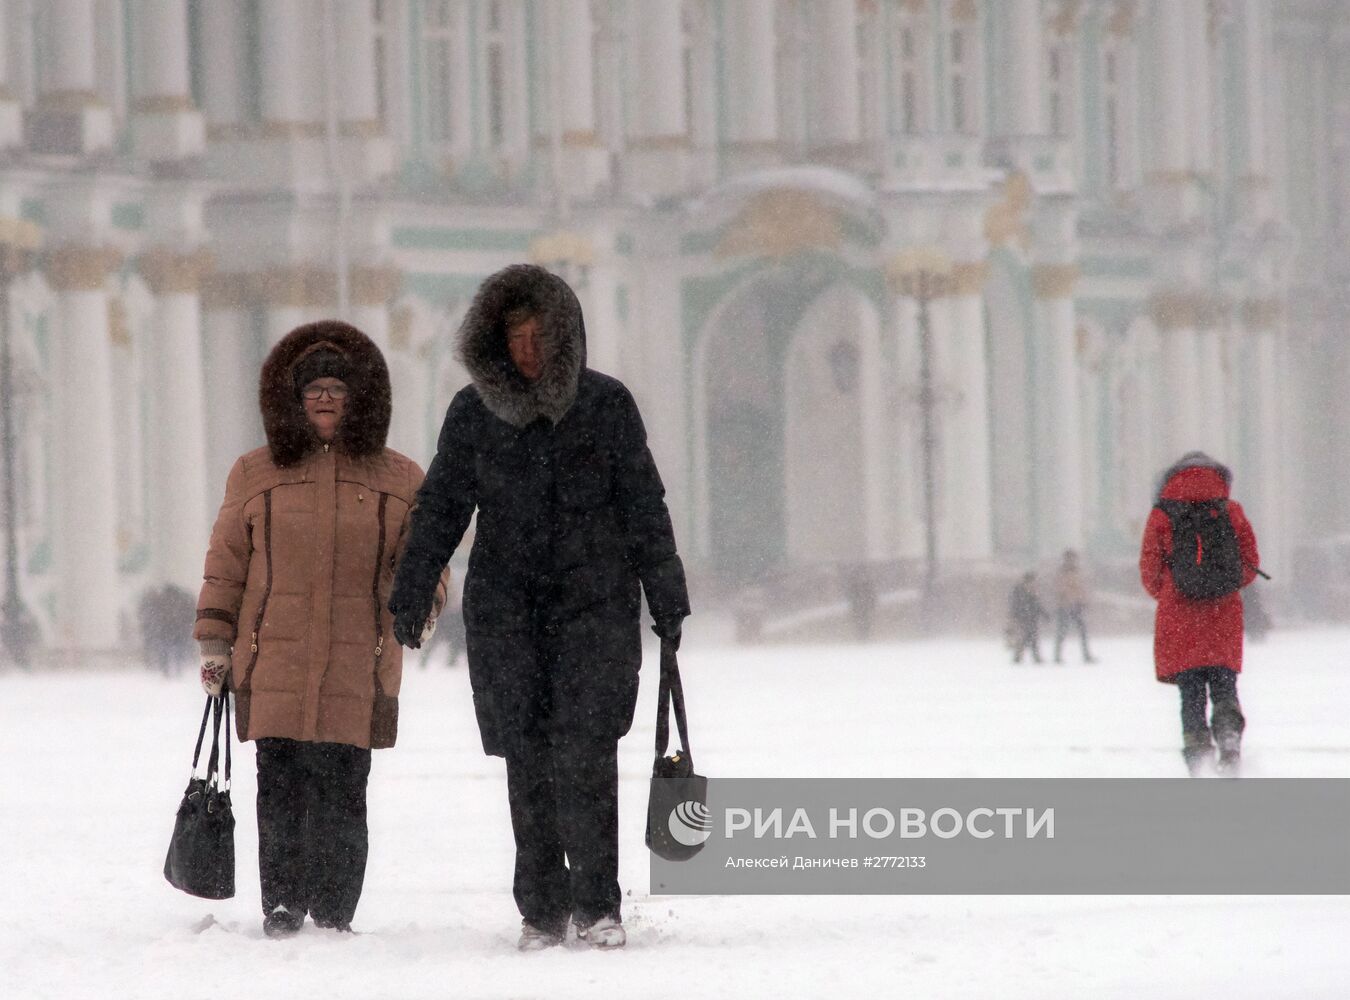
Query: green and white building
[{"x": 1132, "y": 206}]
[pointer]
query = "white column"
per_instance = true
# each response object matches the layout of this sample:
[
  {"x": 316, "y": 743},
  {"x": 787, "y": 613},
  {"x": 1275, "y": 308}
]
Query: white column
[
  {"x": 291, "y": 87},
  {"x": 908, "y": 498},
  {"x": 965, "y": 516},
  {"x": 1200, "y": 111},
  {"x": 84, "y": 539},
  {"x": 372, "y": 289},
  {"x": 357, "y": 96},
  {"x": 752, "y": 104},
  {"x": 167, "y": 126},
  {"x": 231, "y": 360},
  {"x": 1256, "y": 40},
  {"x": 576, "y": 32},
  {"x": 1058, "y": 455},
  {"x": 1170, "y": 118},
  {"x": 162, "y": 47},
  {"x": 179, "y": 508},
  {"x": 411, "y": 380},
  {"x": 1183, "y": 423},
  {"x": 875, "y": 455},
  {"x": 657, "y": 77},
  {"x": 835, "y": 56},
  {"x": 1214, "y": 423},
  {"x": 1023, "y": 58},
  {"x": 69, "y": 66},
  {"x": 1268, "y": 508},
  {"x": 222, "y": 23}
]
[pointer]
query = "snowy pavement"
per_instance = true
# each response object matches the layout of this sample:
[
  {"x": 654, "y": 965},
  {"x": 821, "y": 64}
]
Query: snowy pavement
[{"x": 94, "y": 764}]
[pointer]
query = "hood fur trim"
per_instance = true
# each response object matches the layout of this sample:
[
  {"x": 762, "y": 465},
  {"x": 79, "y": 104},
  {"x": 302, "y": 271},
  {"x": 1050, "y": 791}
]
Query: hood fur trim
[
  {"x": 365, "y": 422},
  {"x": 1193, "y": 460},
  {"x": 481, "y": 345}
]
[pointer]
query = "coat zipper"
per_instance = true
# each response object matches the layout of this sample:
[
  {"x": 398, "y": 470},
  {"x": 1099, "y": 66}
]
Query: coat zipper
[
  {"x": 375, "y": 585},
  {"x": 267, "y": 590}
]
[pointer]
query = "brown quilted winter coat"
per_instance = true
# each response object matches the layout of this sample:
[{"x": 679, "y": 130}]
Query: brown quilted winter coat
[{"x": 302, "y": 558}]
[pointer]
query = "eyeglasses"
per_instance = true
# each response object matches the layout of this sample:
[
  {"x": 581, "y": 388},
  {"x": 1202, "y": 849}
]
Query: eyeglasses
[{"x": 334, "y": 391}]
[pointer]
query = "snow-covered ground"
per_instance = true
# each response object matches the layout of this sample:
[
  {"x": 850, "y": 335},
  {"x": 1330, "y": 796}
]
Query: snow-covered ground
[{"x": 94, "y": 764}]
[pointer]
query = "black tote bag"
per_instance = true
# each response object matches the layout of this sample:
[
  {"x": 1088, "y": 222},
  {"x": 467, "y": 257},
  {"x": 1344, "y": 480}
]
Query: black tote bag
[
  {"x": 678, "y": 821},
  {"x": 201, "y": 852}
]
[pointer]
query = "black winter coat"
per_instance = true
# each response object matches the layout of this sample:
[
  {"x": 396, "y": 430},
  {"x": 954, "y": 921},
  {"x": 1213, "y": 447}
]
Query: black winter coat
[{"x": 571, "y": 518}]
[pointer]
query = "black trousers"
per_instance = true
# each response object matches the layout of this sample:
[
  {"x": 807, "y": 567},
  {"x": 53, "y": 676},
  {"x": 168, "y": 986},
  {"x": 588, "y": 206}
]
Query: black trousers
[
  {"x": 1028, "y": 638},
  {"x": 312, "y": 836},
  {"x": 1065, "y": 618},
  {"x": 564, "y": 793},
  {"x": 1218, "y": 686}
]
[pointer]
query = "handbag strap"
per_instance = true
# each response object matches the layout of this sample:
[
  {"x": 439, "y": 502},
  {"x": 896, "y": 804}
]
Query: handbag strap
[
  {"x": 671, "y": 691},
  {"x": 221, "y": 704},
  {"x": 201, "y": 735}
]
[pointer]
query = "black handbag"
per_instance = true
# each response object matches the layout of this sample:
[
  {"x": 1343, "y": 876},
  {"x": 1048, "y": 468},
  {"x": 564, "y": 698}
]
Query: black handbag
[
  {"x": 201, "y": 852},
  {"x": 678, "y": 821}
]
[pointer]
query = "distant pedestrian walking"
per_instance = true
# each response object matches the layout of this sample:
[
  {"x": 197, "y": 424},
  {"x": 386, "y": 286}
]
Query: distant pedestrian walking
[
  {"x": 1198, "y": 551},
  {"x": 1070, "y": 602},
  {"x": 166, "y": 615},
  {"x": 1025, "y": 614}
]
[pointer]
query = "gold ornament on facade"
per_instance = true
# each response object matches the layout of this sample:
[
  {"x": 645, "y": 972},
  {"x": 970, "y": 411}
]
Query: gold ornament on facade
[
  {"x": 76, "y": 268},
  {"x": 67, "y": 102},
  {"x": 164, "y": 104},
  {"x": 915, "y": 6},
  {"x": 1064, "y": 22},
  {"x": 293, "y": 130},
  {"x": 1005, "y": 221},
  {"x": 968, "y": 277},
  {"x": 1260, "y": 314},
  {"x": 301, "y": 286},
  {"x": 965, "y": 10},
  {"x": 19, "y": 242},
  {"x": 229, "y": 290},
  {"x": 563, "y": 246},
  {"x": 1054, "y": 281},
  {"x": 781, "y": 223},
  {"x": 374, "y": 286},
  {"x": 1187, "y": 310},
  {"x": 167, "y": 271},
  {"x": 921, "y": 272},
  {"x": 1121, "y": 22}
]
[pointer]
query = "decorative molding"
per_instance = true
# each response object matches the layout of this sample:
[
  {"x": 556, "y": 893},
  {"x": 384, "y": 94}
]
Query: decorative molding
[
  {"x": 75, "y": 268},
  {"x": 292, "y": 130},
  {"x": 164, "y": 104},
  {"x": 67, "y": 102},
  {"x": 582, "y": 139},
  {"x": 300, "y": 286},
  {"x": 362, "y": 128},
  {"x": 1065, "y": 20},
  {"x": 229, "y": 132},
  {"x": 1175, "y": 178},
  {"x": 658, "y": 143},
  {"x": 779, "y": 223},
  {"x": 1054, "y": 281},
  {"x": 168, "y": 272},
  {"x": 966, "y": 11},
  {"x": 562, "y": 246}
]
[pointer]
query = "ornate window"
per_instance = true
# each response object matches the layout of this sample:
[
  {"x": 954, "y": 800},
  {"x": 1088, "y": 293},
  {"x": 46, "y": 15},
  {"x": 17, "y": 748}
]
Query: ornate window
[
  {"x": 910, "y": 62},
  {"x": 1119, "y": 138},
  {"x": 443, "y": 32},
  {"x": 962, "y": 61}
]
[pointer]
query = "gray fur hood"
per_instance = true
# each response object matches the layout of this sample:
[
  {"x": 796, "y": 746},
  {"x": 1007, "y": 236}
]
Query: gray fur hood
[
  {"x": 1192, "y": 460},
  {"x": 481, "y": 345}
]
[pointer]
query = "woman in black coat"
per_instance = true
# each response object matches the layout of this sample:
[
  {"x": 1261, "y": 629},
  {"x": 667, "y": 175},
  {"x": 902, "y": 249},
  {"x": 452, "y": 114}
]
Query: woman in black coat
[{"x": 571, "y": 518}]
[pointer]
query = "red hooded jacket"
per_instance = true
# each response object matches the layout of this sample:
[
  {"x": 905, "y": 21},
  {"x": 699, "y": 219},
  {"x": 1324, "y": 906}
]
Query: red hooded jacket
[{"x": 1190, "y": 633}]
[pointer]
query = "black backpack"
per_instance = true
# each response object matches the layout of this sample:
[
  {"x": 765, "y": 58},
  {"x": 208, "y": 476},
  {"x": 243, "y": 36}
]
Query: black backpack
[{"x": 1206, "y": 560}]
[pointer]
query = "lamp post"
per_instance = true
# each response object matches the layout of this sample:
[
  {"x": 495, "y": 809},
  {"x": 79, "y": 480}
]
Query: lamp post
[
  {"x": 923, "y": 274},
  {"x": 18, "y": 631}
]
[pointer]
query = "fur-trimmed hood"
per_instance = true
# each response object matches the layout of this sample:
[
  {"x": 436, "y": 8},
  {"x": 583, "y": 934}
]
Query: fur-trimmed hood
[
  {"x": 365, "y": 423},
  {"x": 1194, "y": 460},
  {"x": 481, "y": 345}
]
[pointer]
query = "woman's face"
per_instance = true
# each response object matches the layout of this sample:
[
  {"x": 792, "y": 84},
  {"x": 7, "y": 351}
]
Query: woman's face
[
  {"x": 325, "y": 401},
  {"x": 522, "y": 340}
]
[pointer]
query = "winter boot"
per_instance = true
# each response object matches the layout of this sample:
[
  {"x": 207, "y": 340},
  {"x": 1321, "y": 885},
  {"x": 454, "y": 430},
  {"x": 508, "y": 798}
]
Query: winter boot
[
  {"x": 535, "y": 938},
  {"x": 604, "y": 933},
  {"x": 1230, "y": 754},
  {"x": 1198, "y": 760},
  {"x": 282, "y": 923}
]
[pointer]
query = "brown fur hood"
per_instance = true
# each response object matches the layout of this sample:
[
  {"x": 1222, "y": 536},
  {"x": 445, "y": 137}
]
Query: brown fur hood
[
  {"x": 481, "y": 344},
  {"x": 365, "y": 424}
]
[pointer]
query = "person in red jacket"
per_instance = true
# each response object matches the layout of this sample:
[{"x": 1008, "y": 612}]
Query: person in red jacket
[{"x": 1197, "y": 643}]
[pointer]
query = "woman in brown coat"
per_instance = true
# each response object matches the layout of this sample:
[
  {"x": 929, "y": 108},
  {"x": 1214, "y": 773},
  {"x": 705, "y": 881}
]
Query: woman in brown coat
[{"x": 292, "y": 612}]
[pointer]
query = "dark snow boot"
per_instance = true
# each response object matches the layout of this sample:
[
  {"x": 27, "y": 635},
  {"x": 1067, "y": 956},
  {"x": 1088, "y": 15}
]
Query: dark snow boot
[
  {"x": 282, "y": 923},
  {"x": 1198, "y": 759},
  {"x": 1230, "y": 754}
]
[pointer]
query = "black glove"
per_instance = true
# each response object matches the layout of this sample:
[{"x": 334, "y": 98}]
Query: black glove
[
  {"x": 409, "y": 621},
  {"x": 669, "y": 631}
]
